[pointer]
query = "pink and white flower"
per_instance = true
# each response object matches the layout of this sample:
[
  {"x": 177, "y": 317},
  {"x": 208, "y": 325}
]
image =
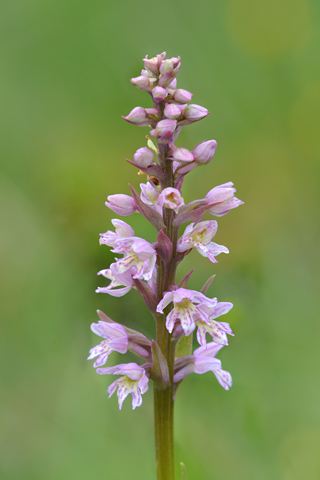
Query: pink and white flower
[
  {"x": 121, "y": 204},
  {"x": 199, "y": 236},
  {"x": 217, "y": 330},
  {"x": 123, "y": 280},
  {"x": 223, "y": 196},
  {"x": 122, "y": 230},
  {"x": 135, "y": 382},
  {"x": 186, "y": 308},
  {"x": 203, "y": 360},
  {"x": 116, "y": 339},
  {"x": 170, "y": 198},
  {"x": 138, "y": 254}
]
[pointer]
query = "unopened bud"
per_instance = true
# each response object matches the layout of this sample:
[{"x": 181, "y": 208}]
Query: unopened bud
[
  {"x": 143, "y": 157},
  {"x": 137, "y": 116},
  {"x": 141, "y": 82},
  {"x": 159, "y": 94},
  {"x": 182, "y": 155},
  {"x": 164, "y": 128},
  {"x": 205, "y": 151},
  {"x": 182, "y": 96},
  {"x": 223, "y": 196},
  {"x": 193, "y": 113},
  {"x": 172, "y": 110},
  {"x": 121, "y": 204}
]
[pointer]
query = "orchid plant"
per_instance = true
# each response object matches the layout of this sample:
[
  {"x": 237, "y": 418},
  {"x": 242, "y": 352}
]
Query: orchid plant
[{"x": 150, "y": 268}]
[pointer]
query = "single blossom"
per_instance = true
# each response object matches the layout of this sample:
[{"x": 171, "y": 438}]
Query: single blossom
[
  {"x": 116, "y": 339},
  {"x": 149, "y": 193},
  {"x": 159, "y": 94},
  {"x": 122, "y": 230},
  {"x": 138, "y": 253},
  {"x": 186, "y": 307},
  {"x": 193, "y": 113},
  {"x": 223, "y": 196},
  {"x": 203, "y": 360},
  {"x": 135, "y": 382},
  {"x": 199, "y": 236},
  {"x": 217, "y": 330},
  {"x": 182, "y": 96},
  {"x": 173, "y": 111},
  {"x": 164, "y": 130},
  {"x": 141, "y": 82},
  {"x": 121, "y": 283},
  {"x": 170, "y": 198},
  {"x": 204, "y": 152},
  {"x": 121, "y": 204},
  {"x": 143, "y": 157}
]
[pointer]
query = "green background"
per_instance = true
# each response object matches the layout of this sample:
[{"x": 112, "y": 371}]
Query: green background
[{"x": 64, "y": 84}]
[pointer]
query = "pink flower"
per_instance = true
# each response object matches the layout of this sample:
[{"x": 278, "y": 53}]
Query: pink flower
[
  {"x": 138, "y": 254},
  {"x": 205, "y": 151},
  {"x": 170, "y": 198},
  {"x": 217, "y": 330},
  {"x": 123, "y": 280},
  {"x": 123, "y": 230},
  {"x": 203, "y": 360},
  {"x": 223, "y": 196},
  {"x": 116, "y": 339},
  {"x": 199, "y": 236},
  {"x": 143, "y": 157},
  {"x": 185, "y": 308},
  {"x": 134, "y": 382},
  {"x": 121, "y": 204}
]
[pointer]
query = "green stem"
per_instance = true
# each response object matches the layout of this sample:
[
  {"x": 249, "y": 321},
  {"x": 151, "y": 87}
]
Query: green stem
[{"x": 163, "y": 399}]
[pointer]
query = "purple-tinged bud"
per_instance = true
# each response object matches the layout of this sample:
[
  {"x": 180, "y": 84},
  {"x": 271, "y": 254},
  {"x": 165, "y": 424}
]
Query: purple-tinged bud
[
  {"x": 173, "y": 111},
  {"x": 151, "y": 111},
  {"x": 170, "y": 63},
  {"x": 141, "y": 82},
  {"x": 182, "y": 155},
  {"x": 164, "y": 247},
  {"x": 168, "y": 71},
  {"x": 205, "y": 151},
  {"x": 170, "y": 198},
  {"x": 164, "y": 129},
  {"x": 182, "y": 96},
  {"x": 137, "y": 116},
  {"x": 143, "y": 157},
  {"x": 153, "y": 64},
  {"x": 159, "y": 94},
  {"x": 121, "y": 204},
  {"x": 193, "y": 113},
  {"x": 223, "y": 196},
  {"x": 173, "y": 85}
]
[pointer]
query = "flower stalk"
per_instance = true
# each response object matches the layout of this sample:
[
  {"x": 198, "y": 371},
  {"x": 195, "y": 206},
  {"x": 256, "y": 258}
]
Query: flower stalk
[{"x": 150, "y": 268}]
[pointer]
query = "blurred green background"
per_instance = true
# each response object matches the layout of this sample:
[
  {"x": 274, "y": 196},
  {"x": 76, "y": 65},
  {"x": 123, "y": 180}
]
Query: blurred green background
[{"x": 64, "y": 84}]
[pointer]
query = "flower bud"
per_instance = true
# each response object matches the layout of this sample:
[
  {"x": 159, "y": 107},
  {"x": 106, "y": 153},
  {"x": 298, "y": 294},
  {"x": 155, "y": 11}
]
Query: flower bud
[
  {"x": 153, "y": 64},
  {"x": 141, "y": 82},
  {"x": 193, "y": 113},
  {"x": 182, "y": 96},
  {"x": 182, "y": 155},
  {"x": 171, "y": 110},
  {"x": 164, "y": 128},
  {"x": 205, "y": 151},
  {"x": 223, "y": 196},
  {"x": 173, "y": 85},
  {"x": 137, "y": 116},
  {"x": 143, "y": 157},
  {"x": 170, "y": 198},
  {"x": 121, "y": 204},
  {"x": 159, "y": 94}
]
